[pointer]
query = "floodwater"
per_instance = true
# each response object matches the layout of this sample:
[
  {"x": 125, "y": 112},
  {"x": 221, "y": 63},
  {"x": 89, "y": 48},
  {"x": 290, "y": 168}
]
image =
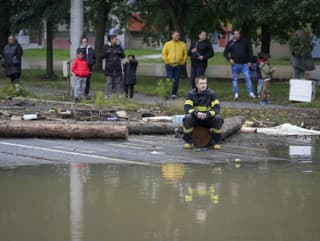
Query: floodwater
[{"x": 166, "y": 202}]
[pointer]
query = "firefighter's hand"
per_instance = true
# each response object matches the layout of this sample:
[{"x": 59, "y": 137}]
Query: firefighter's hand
[
  {"x": 200, "y": 57},
  {"x": 231, "y": 61},
  {"x": 194, "y": 50},
  {"x": 201, "y": 115}
]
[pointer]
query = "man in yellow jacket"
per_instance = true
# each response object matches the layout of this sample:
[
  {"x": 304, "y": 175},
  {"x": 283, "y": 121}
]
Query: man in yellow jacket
[{"x": 174, "y": 55}]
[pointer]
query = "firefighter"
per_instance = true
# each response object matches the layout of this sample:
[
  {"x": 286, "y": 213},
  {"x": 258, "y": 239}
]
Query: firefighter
[{"x": 202, "y": 109}]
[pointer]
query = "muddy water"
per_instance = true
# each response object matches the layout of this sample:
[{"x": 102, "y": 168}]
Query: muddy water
[{"x": 172, "y": 201}]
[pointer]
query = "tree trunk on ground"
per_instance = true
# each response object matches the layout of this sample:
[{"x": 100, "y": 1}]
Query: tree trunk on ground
[
  {"x": 61, "y": 130},
  {"x": 265, "y": 39},
  {"x": 102, "y": 17},
  {"x": 4, "y": 24},
  {"x": 49, "y": 60}
]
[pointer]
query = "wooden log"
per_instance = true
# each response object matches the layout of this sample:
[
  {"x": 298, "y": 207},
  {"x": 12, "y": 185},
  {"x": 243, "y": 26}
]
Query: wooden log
[
  {"x": 61, "y": 130},
  {"x": 231, "y": 126}
]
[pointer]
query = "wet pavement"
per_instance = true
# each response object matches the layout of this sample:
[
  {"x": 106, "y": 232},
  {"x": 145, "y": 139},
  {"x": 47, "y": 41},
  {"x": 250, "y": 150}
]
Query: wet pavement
[{"x": 65, "y": 190}]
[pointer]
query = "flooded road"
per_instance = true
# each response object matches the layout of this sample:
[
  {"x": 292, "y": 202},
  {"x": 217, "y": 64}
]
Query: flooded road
[{"x": 80, "y": 201}]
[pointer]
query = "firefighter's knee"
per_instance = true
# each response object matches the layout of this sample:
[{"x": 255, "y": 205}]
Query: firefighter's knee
[
  {"x": 188, "y": 121},
  {"x": 218, "y": 122}
]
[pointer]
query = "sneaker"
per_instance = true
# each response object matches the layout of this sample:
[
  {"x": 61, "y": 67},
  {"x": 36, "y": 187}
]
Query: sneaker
[
  {"x": 216, "y": 147},
  {"x": 251, "y": 95},
  {"x": 236, "y": 96},
  {"x": 76, "y": 100},
  {"x": 173, "y": 97},
  {"x": 187, "y": 146}
]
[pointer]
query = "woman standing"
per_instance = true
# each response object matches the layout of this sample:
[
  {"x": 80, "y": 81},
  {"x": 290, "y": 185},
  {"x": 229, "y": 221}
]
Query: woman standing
[{"x": 200, "y": 51}]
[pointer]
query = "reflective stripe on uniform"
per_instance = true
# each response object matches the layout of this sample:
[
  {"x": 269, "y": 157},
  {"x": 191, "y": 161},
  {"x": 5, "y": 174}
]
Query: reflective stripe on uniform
[
  {"x": 188, "y": 102},
  {"x": 218, "y": 131},
  {"x": 215, "y": 102},
  {"x": 212, "y": 113},
  {"x": 187, "y": 130},
  {"x": 191, "y": 111},
  {"x": 202, "y": 108}
]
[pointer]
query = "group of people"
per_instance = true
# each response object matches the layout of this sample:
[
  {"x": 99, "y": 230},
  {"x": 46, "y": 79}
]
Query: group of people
[
  {"x": 202, "y": 106},
  {"x": 116, "y": 82}
]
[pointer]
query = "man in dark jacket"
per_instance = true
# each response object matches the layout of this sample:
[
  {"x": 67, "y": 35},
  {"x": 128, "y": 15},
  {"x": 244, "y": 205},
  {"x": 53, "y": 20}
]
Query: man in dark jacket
[
  {"x": 12, "y": 54},
  {"x": 200, "y": 51},
  {"x": 113, "y": 53},
  {"x": 202, "y": 109},
  {"x": 238, "y": 53},
  {"x": 90, "y": 57}
]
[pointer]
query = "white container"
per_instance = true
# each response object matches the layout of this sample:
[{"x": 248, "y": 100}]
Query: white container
[
  {"x": 30, "y": 117},
  {"x": 302, "y": 90},
  {"x": 177, "y": 119}
]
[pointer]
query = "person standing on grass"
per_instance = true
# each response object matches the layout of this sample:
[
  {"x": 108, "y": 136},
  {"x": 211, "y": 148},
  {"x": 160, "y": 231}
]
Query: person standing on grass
[
  {"x": 200, "y": 51},
  {"x": 12, "y": 54},
  {"x": 238, "y": 53},
  {"x": 129, "y": 72},
  {"x": 113, "y": 53},
  {"x": 90, "y": 57},
  {"x": 174, "y": 55},
  {"x": 81, "y": 71}
]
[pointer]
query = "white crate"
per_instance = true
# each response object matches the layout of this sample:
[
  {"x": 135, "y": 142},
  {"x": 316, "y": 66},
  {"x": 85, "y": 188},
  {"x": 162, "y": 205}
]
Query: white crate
[{"x": 302, "y": 90}]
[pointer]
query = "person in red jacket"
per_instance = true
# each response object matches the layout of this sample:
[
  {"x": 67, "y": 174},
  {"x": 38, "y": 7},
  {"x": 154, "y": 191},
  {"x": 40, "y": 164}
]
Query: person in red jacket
[{"x": 81, "y": 71}]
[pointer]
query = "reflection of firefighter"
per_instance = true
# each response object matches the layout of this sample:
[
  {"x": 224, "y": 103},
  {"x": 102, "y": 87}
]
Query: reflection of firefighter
[
  {"x": 202, "y": 191},
  {"x": 172, "y": 171}
]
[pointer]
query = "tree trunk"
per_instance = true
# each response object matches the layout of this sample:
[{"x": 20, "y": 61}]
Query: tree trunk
[
  {"x": 265, "y": 39},
  {"x": 61, "y": 130},
  {"x": 101, "y": 21},
  {"x": 4, "y": 24},
  {"x": 49, "y": 61}
]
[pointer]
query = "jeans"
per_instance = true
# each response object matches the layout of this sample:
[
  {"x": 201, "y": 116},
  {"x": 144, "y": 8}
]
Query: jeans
[
  {"x": 174, "y": 72},
  {"x": 79, "y": 88},
  {"x": 114, "y": 85},
  {"x": 236, "y": 70},
  {"x": 196, "y": 71},
  {"x": 297, "y": 73}
]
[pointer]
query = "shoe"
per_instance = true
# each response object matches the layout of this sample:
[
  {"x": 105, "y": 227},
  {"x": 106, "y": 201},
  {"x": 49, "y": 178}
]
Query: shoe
[
  {"x": 76, "y": 100},
  {"x": 236, "y": 96},
  {"x": 187, "y": 146},
  {"x": 251, "y": 95},
  {"x": 173, "y": 97},
  {"x": 216, "y": 147}
]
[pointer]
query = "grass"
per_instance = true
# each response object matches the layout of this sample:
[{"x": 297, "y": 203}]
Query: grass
[
  {"x": 148, "y": 86},
  {"x": 64, "y": 54}
]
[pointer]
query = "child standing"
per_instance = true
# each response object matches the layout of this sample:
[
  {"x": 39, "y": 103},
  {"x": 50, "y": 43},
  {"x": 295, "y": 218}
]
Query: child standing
[
  {"x": 266, "y": 75},
  {"x": 254, "y": 71},
  {"x": 81, "y": 71},
  {"x": 129, "y": 70}
]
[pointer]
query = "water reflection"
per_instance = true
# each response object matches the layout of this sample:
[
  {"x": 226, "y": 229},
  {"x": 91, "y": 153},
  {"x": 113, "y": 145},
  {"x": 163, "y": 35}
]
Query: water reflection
[{"x": 172, "y": 202}]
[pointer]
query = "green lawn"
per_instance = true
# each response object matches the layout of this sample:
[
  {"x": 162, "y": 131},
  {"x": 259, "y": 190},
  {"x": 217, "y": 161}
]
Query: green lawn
[
  {"x": 64, "y": 54},
  {"x": 147, "y": 85}
]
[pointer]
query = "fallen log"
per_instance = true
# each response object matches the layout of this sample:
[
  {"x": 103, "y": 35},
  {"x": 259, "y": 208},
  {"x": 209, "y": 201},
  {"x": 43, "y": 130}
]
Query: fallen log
[
  {"x": 61, "y": 130},
  {"x": 230, "y": 127}
]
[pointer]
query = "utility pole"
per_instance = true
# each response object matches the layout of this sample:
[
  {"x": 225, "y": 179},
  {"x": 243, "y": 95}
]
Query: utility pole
[
  {"x": 76, "y": 25},
  {"x": 76, "y": 30}
]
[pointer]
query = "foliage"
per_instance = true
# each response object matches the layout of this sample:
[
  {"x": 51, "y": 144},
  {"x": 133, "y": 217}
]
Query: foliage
[
  {"x": 164, "y": 88},
  {"x": 9, "y": 90},
  {"x": 116, "y": 101}
]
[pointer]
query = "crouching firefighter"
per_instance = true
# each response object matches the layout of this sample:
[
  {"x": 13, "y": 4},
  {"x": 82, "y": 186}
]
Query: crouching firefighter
[{"x": 202, "y": 109}]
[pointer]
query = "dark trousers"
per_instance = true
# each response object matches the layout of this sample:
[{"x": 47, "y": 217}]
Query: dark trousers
[
  {"x": 174, "y": 73},
  {"x": 214, "y": 124},
  {"x": 88, "y": 81},
  {"x": 129, "y": 88},
  {"x": 15, "y": 78},
  {"x": 196, "y": 71}
]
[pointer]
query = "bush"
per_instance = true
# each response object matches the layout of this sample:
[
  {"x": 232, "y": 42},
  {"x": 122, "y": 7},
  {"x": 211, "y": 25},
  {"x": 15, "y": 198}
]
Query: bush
[
  {"x": 10, "y": 90},
  {"x": 164, "y": 88}
]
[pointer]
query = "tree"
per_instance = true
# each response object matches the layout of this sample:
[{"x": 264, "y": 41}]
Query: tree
[
  {"x": 99, "y": 13},
  {"x": 31, "y": 12},
  {"x": 4, "y": 23}
]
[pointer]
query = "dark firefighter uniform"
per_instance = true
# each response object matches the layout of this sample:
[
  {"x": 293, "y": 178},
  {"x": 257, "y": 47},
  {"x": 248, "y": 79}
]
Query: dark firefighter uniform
[{"x": 207, "y": 103}]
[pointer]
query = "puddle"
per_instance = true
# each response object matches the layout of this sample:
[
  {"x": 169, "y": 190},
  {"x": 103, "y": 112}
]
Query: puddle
[{"x": 173, "y": 201}]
